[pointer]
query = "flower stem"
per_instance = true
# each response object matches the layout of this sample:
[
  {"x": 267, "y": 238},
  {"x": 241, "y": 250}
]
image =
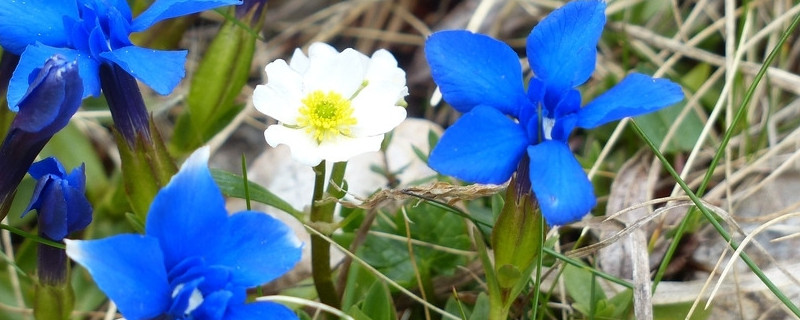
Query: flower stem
[{"x": 322, "y": 214}]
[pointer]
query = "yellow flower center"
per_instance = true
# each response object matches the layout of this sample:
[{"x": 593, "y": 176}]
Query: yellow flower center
[{"x": 326, "y": 115}]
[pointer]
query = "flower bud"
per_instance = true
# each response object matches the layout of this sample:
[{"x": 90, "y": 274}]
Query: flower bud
[
  {"x": 53, "y": 96},
  {"x": 59, "y": 198}
]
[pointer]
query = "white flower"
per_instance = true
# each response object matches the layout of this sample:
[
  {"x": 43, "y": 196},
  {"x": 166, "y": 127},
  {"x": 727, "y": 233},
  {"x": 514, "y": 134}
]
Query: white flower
[{"x": 331, "y": 105}]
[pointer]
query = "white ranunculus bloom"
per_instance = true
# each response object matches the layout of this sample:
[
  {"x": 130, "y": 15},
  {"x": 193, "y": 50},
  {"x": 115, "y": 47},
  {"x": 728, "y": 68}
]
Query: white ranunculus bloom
[{"x": 332, "y": 105}]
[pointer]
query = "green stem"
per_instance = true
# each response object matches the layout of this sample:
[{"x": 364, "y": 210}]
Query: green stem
[
  {"x": 709, "y": 172},
  {"x": 537, "y": 290},
  {"x": 322, "y": 215},
  {"x": 33, "y": 237},
  {"x": 720, "y": 229}
]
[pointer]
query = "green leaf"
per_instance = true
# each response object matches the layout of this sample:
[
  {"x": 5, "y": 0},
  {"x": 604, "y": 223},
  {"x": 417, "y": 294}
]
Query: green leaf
[
  {"x": 231, "y": 185},
  {"x": 481, "y": 309},
  {"x": 378, "y": 304},
  {"x": 656, "y": 125},
  {"x": 357, "y": 314},
  {"x": 430, "y": 224},
  {"x": 455, "y": 306},
  {"x": 580, "y": 283},
  {"x": 433, "y": 139},
  {"x": 136, "y": 223},
  {"x": 359, "y": 282},
  {"x": 622, "y": 303},
  {"x": 679, "y": 311}
]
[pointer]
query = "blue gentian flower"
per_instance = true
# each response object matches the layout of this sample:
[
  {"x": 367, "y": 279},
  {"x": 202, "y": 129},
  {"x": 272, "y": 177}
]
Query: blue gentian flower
[
  {"x": 194, "y": 261},
  {"x": 61, "y": 208},
  {"x": 95, "y": 33},
  {"x": 50, "y": 101},
  {"x": 59, "y": 199},
  {"x": 503, "y": 123}
]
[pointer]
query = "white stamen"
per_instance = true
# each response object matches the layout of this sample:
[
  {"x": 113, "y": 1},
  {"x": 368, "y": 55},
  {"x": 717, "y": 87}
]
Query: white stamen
[
  {"x": 195, "y": 300},
  {"x": 547, "y": 127}
]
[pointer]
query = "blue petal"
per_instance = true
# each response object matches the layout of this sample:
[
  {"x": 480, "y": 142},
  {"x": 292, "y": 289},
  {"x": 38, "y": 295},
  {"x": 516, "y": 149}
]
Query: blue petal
[
  {"x": 474, "y": 69},
  {"x": 564, "y": 114},
  {"x": 120, "y": 6},
  {"x": 214, "y": 305},
  {"x": 135, "y": 281},
  {"x": 160, "y": 70},
  {"x": 483, "y": 146},
  {"x": 38, "y": 170},
  {"x": 562, "y": 48},
  {"x": 52, "y": 211},
  {"x": 259, "y": 311},
  {"x": 635, "y": 95},
  {"x": 185, "y": 210},
  {"x": 47, "y": 166},
  {"x": 51, "y": 99},
  {"x": 257, "y": 247},
  {"x": 76, "y": 177},
  {"x": 23, "y": 23},
  {"x": 165, "y": 9},
  {"x": 564, "y": 192},
  {"x": 79, "y": 210},
  {"x": 35, "y": 56}
]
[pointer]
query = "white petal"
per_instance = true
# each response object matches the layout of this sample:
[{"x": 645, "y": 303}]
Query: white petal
[
  {"x": 382, "y": 120},
  {"x": 342, "y": 73},
  {"x": 321, "y": 50},
  {"x": 299, "y": 61},
  {"x": 281, "y": 97},
  {"x": 303, "y": 146},
  {"x": 383, "y": 68},
  {"x": 345, "y": 148},
  {"x": 198, "y": 160},
  {"x": 375, "y": 109}
]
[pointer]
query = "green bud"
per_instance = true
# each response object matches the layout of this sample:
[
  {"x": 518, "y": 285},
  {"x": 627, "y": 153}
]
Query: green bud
[
  {"x": 53, "y": 302},
  {"x": 516, "y": 237},
  {"x": 53, "y": 295},
  {"x": 145, "y": 169},
  {"x": 219, "y": 79}
]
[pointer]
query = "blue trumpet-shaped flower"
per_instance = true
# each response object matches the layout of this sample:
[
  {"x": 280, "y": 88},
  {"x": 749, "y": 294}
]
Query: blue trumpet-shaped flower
[
  {"x": 62, "y": 208},
  {"x": 59, "y": 199},
  {"x": 503, "y": 122},
  {"x": 53, "y": 96},
  {"x": 95, "y": 33},
  {"x": 195, "y": 261}
]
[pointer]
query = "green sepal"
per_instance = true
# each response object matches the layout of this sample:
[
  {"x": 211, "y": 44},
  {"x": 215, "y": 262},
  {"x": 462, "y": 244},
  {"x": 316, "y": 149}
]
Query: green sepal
[
  {"x": 219, "y": 79},
  {"x": 508, "y": 275},
  {"x": 516, "y": 237},
  {"x": 145, "y": 170},
  {"x": 53, "y": 302}
]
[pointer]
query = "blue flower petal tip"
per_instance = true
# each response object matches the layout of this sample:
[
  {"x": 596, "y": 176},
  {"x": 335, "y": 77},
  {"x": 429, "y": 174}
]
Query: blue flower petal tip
[
  {"x": 493, "y": 77},
  {"x": 206, "y": 277},
  {"x": 559, "y": 183},
  {"x": 51, "y": 99},
  {"x": 95, "y": 32},
  {"x": 487, "y": 158},
  {"x": 477, "y": 73},
  {"x": 59, "y": 199}
]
